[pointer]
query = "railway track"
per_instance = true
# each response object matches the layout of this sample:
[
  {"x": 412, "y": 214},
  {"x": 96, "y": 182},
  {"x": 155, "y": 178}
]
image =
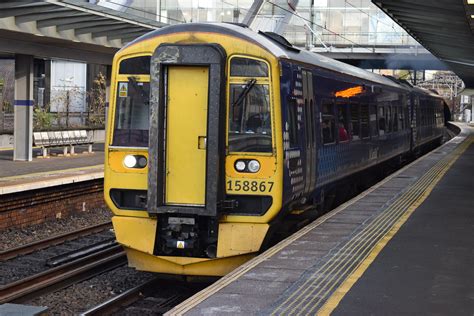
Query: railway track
[
  {"x": 64, "y": 275},
  {"x": 55, "y": 240},
  {"x": 154, "y": 297}
]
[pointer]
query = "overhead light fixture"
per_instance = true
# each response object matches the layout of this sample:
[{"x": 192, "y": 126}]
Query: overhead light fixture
[
  {"x": 472, "y": 16},
  {"x": 470, "y": 1}
]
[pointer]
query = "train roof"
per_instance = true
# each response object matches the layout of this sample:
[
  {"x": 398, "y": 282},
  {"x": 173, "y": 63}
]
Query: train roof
[{"x": 275, "y": 47}]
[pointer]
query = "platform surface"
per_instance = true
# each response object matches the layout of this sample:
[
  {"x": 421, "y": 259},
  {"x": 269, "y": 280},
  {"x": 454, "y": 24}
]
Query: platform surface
[
  {"x": 403, "y": 247},
  {"x": 17, "y": 176}
]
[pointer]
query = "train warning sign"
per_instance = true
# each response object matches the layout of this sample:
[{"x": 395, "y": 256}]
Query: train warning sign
[{"x": 123, "y": 89}]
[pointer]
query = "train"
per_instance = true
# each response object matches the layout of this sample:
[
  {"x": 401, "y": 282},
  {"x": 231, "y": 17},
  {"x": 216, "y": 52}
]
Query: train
[{"x": 217, "y": 133}]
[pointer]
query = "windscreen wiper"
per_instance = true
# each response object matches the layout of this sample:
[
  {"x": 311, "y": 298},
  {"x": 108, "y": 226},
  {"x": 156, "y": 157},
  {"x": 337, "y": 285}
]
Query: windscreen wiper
[{"x": 248, "y": 86}]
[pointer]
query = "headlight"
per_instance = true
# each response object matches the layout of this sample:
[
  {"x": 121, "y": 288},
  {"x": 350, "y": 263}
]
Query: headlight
[
  {"x": 240, "y": 165},
  {"x": 253, "y": 166},
  {"x": 129, "y": 161},
  {"x": 135, "y": 161},
  {"x": 142, "y": 162}
]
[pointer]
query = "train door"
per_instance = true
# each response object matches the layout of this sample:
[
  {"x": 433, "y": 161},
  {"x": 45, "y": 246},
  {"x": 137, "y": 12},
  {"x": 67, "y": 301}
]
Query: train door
[
  {"x": 414, "y": 120},
  {"x": 186, "y": 135},
  {"x": 309, "y": 119}
]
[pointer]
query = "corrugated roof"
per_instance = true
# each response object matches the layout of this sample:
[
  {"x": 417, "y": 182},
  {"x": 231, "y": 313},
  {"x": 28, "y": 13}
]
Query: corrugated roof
[{"x": 444, "y": 27}]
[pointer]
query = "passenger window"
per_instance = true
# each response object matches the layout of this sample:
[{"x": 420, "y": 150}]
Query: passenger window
[
  {"x": 343, "y": 122},
  {"x": 329, "y": 123},
  {"x": 401, "y": 116},
  {"x": 374, "y": 131},
  {"x": 309, "y": 124},
  {"x": 355, "y": 121},
  {"x": 246, "y": 67},
  {"x": 382, "y": 121},
  {"x": 388, "y": 119},
  {"x": 395, "y": 118},
  {"x": 313, "y": 128},
  {"x": 292, "y": 123},
  {"x": 364, "y": 120}
]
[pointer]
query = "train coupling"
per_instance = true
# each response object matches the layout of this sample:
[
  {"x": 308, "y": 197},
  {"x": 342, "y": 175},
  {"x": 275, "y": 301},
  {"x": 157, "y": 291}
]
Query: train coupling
[{"x": 187, "y": 235}]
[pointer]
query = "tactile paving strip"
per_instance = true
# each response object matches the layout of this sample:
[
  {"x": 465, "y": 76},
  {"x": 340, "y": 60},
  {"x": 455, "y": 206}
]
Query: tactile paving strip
[{"x": 311, "y": 291}]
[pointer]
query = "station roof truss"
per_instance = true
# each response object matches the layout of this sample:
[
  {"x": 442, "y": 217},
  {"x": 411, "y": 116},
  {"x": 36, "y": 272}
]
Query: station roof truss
[
  {"x": 68, "y": 24},
  {"x": 444, "y": 27}
]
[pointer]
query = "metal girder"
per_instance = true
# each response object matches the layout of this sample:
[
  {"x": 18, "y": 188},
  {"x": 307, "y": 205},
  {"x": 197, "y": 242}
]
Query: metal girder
[
  {"x": 127, "y": 35},
  {"x": 410, "y": 3},
  {"x": 18, "y": 4},
  {"x": 90, "y": 8},
  {"x": 395, "y": 5},
  {"x": 120, "y": 32},
  {"x": 4, "y": 13},
  {"x": 66, "y": 21},
  {"x": 132, "y": 36},
  {"x": 459, "y": 39},
  {"x": 85, "y": 23},
  {"x": 252, "y": 12},
  {"x": 426, "y": 20},
  {"x": 101, "y": 28},
  {"x": 433, "y": 16},
  {"x": 46, "y": 16},
  {"x": 52, "y": 18}
]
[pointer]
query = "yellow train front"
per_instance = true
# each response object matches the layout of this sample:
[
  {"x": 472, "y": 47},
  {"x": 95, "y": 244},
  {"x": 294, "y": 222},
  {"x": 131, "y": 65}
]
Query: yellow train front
[{"x": 193, "y": 173}]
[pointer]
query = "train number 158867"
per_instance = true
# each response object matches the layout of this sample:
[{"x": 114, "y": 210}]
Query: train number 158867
[{"x": 249, "y": 186}]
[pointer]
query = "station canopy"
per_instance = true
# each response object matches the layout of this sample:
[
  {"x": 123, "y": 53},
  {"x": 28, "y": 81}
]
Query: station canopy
[
  {"x": 444, "y": 27},
  {"x": 74, "y": 29}
]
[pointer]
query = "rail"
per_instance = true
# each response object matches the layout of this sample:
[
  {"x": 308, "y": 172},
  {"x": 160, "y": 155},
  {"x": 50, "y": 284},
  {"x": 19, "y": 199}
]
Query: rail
[
  {"x": 34, "y": 246},
  {"x": 63, "y": 276}
]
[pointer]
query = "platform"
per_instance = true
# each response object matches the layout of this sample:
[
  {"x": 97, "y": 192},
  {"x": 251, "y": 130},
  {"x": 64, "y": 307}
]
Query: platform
[
  {"x": 403, "y": 247},
  {"x": 18, "y": 176}
]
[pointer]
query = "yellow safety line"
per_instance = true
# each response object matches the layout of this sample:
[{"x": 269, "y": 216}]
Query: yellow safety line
[
  {"x": 11, "y": 148},
  {"x": 396, "y": 213},
  {"x": 351, "y": 279},
  {"x": 373, "y": 227},
  {"x": 234, "y": 275},
  {"x": 394, "y": 209},
  {"x": 52, "y": 172},
  {"x": 360, "y": 254}
]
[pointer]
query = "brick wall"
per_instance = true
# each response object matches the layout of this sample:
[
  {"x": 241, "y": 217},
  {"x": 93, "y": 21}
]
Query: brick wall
[{"x": 33, "y": 207}]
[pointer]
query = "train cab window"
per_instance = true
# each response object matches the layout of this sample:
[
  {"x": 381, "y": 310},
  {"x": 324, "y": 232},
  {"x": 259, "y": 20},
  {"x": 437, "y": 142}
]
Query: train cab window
[
  {"x": 364, "y": 120},
  {"x": 343, "y": 122},
  {"x": 382, "y": 121},
  {"x": 132, "y": 114},
  {"x": 135, "y": 66},
  {"x": 355, "y": 121},
  {"x": 328, "y": 124},
  {"x": 250, "y": 127},
  {"x": 246, "y": 67},
  {"x": 249, "y": 118}
]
